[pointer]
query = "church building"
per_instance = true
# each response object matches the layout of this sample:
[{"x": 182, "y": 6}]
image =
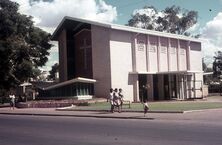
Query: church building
[{"x": 95, "y": 56}]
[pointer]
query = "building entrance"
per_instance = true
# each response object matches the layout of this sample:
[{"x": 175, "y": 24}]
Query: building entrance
[
  {"x": 162, "y": 87},
  {"x": 173, "y": 87},
  {"x": 143, "y": 88}
]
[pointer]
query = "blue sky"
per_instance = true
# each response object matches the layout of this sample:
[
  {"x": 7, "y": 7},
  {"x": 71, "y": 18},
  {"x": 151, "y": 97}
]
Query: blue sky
[
  {"x": 202, "y": 6},
  {"x": 47, "y": 16}
]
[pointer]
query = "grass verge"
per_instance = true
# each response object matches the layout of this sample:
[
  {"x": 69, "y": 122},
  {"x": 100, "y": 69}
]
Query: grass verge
[{"x": 158, "y": 106}]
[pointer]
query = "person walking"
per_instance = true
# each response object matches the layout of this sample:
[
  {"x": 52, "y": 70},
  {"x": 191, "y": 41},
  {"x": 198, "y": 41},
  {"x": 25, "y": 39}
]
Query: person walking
[
  {"x": 146, "y": 107},
  {"x": 121, "y": 97},
  {"x": 111, "y": 100},
  {"x": 12, "y": 101},
  {"x": 116, "y": 98}
]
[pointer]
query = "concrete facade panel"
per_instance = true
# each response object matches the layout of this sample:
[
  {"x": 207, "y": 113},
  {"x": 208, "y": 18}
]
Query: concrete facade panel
[
  {"x": 153, "y": 62},
  {"x": 195, "y": 56},
  {"x": 101, "y": 60},
  {"x": 121, "y": 62},
  {"x": 62, "y": 56},
  {"x": 173, "y": 55},
  {"x": 183, "y": 55},
  {"x": 163, "y": 54},
  {"x": 141, "y": 53}
]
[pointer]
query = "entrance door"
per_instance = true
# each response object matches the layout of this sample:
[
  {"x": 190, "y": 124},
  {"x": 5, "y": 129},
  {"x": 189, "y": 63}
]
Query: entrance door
[
  {"x": 143, "y": 87},
  {"x": 166, "y": 87},
  {"x": 161, "y": 87},
  {"x": 173, "y": 87},
  {"x": 155, "y": 87}
]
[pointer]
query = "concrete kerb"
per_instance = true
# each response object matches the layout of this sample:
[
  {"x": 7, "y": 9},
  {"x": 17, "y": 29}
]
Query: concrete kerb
[
  {"x": 67, "y": 112},
  {"x": 70, "y": 108},
  {"x": 91, "y": 113},
  {"x": 82, "y": 116},
  {"x": 128, "y": 111}
]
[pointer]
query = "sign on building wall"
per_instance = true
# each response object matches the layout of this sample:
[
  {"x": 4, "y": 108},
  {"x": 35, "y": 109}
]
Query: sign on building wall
[
  {"x": 153, "y": 47},
  {"x": 141, "y": 45},
  {"x": 173, "y": 50},
  {"x": 163, "y": 49},
  {"x": 182, "y": 51},
  {"x": 153, "y": 44}
]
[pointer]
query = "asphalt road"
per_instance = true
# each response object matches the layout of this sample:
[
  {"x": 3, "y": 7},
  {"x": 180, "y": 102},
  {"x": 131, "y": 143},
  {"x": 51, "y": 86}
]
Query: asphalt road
[{"x": 36, "y": 130}]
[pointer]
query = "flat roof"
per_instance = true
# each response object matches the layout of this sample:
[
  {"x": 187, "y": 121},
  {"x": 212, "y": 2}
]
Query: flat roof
[
  {"x": 76, "y": 21},
  {"x": 78, "y": 79},
  {"x": 168, "y": 72}
]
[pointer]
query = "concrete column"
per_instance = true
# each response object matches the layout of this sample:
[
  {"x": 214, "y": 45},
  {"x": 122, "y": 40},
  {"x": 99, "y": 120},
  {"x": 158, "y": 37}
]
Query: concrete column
[
  {"x": 194, "y": 85},
  {"x": 136, "y": 88},
  {"x": 158, "y": 54},
  {"x": 188, "y": 55},
  {"x": 189, "y": 87},
  {"x": 134, "y": 48},
  {"x": 147, "y": 53},
  {"x": 182, "y": 87},
  {"x": 177, "y": 86},
  {"x": 178, "y": 55},
  {"x": 168, "y": 54},
  {"x": 185, "y": 87}
]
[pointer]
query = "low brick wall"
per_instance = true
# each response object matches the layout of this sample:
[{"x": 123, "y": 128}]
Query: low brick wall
[{"x": 57, "y": 103}]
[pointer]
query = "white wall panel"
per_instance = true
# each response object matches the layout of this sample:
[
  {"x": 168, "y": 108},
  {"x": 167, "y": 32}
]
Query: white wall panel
[
  {"x": 163, "y": 54},
  {"x": 173, "y": 54},
  {"x": 195, "y": 56},
  {"x": 183, "y": 55},
  {"x": 141, "y": 53},
  {"x": 152, "y": 50},
  {"x": 121, "y": 62}
]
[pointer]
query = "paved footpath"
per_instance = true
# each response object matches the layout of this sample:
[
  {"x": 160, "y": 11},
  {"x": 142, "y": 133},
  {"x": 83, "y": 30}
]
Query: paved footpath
[{"x": 211, "y": 115}]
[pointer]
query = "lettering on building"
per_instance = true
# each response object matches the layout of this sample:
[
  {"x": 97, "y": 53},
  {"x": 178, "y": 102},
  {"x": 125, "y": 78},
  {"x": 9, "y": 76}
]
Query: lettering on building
[
  {"x": 163, "y": 49},
  {"x": 173, "y": 50},
  {"x": 182, "y": 51},
  {"x": 153, "y": 47},
  {"x": 141, "y": 45}
]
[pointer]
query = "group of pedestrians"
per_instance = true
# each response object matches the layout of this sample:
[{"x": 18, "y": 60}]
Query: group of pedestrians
[{"x": 116, "y": 99}]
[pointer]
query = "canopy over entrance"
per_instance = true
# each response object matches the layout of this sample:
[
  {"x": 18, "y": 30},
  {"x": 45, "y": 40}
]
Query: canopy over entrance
[{"x": 78, "y": 88}]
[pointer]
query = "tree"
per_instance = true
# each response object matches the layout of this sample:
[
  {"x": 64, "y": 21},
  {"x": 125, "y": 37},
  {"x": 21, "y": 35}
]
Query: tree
[
  {"x": 53, "y": 71},
  {"x": 217, "y": 64},
  {"x": 172, "y": 19},
  {"x": 23, "y": 47},
  {"x": 204, "y": 66}
]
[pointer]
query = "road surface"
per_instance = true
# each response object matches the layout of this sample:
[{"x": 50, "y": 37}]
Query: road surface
[{"x": 43, "y": 130}]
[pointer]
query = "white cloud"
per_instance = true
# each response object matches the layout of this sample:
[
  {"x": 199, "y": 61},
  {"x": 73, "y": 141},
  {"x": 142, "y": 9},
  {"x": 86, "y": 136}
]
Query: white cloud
[
  {"x": 213, "y": 30},
  {"x": 54, "y": 48},
  {"x": 47, "y": 15},
  {"x": 194, "y": 29},
  {"x": 52, "y": 59},
  {"x": 211, "y": 36}
]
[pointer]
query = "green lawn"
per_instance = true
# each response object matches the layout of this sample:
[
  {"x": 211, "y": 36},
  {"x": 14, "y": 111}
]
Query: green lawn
[{"x": 158, "y": 106}]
